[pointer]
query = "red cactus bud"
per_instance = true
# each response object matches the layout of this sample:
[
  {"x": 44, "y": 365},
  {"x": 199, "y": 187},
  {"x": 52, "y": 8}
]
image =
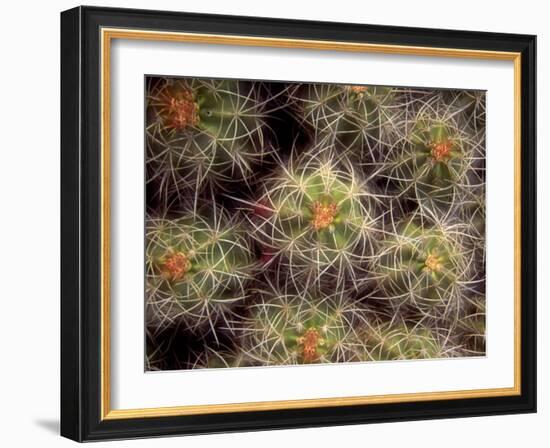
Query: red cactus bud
[
  {"x": 266, "y": 256},
  {"x": 262, "y": 209}
]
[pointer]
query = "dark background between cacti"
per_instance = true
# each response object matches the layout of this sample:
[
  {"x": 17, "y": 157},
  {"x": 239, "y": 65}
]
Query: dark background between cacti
[{"x": 418, "y": 156}]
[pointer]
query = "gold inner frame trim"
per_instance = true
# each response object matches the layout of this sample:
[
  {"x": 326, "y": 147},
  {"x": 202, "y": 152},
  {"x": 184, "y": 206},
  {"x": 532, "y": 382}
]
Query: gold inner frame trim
[{"x": 107, "y": 35}]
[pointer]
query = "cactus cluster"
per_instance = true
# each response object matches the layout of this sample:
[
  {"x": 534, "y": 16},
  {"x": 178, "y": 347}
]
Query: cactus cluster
[{"x": 302, "y": 223}]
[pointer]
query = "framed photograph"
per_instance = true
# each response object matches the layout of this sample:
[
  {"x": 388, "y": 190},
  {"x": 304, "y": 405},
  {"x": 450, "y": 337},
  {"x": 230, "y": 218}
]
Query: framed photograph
[{"x": 275, "y": 224}]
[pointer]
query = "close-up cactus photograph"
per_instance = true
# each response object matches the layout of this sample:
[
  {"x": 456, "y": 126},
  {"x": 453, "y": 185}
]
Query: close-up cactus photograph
[{"x": 295, "y": 223}]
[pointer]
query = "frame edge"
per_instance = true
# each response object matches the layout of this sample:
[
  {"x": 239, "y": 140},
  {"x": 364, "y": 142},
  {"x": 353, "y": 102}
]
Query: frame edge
[
  {"x": 528, "y": 219},
  {"x": 71, "y": 379}
]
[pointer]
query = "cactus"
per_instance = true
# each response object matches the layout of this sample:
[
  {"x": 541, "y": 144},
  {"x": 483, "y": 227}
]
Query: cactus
[
  {"x": 287, "y": 327},
  {"x": 468, "y": 106},
  {"x": 222, "y": 357},
  {"x": 155, "y": 352},
  {"x": 434, "y": 166},
  {"x": 471, "y": 326},
  {"x": 204, "y": 132},
  {"x": 350, "y": 117},
  {"x": 197, "y": 267},
  {"x": 388, "y": 342},
  {"x": 425, "y": 266},
  {"x": 319, "y": 218}
]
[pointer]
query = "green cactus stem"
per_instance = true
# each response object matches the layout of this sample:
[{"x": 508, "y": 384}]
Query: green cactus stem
[
  {"x": 222, "y": 357},
  {"x": 197, "y": 267},
  {"x": 204, "y": 132},
  {"x": 291, "y": 328},
  {"x": 472, "y": 326},
  {"x": 387, "y": 342},
  {"x": 425, "y": 267},
  {"x": 433, "y": 166},
  {"x": 319, "y": 217},
  {"x": 350, "y": 117}
]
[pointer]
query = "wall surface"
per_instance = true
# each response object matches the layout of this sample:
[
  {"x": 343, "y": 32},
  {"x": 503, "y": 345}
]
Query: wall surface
[{"x": 29, "y": 186}]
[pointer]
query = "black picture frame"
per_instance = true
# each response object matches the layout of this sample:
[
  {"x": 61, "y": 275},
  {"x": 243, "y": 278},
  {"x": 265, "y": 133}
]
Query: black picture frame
[{"x": 81, "y": 380}]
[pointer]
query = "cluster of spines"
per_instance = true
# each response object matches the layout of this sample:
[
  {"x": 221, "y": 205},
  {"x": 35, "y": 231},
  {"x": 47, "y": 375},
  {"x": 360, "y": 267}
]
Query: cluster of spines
[
  {"x": 197, "y": 267},
  {"x": 363, "y": 233},
  {"x": 204, "y": 134},
  {"x": 314, "y": 220}
]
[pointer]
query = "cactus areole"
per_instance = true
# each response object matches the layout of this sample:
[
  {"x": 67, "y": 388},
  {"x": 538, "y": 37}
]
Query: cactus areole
[
  {"x": 441, "y": 151},
  {"x": 175, "y": 266},
  {"x": 179, "y": 111},
  {"x": 323, "y": 215},
  {"x": 433, "y": 263},
  {"x": 435, "y": 144},
  {"x": 309, "y": 343},
  {"x": 358, "y": 90}
]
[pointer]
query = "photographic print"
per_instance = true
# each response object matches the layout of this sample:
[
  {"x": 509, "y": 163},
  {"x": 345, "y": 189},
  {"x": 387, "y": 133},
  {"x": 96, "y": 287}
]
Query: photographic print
[
  {"x": 301, "y": 223},
  {"x": 309, "y": 201}
]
